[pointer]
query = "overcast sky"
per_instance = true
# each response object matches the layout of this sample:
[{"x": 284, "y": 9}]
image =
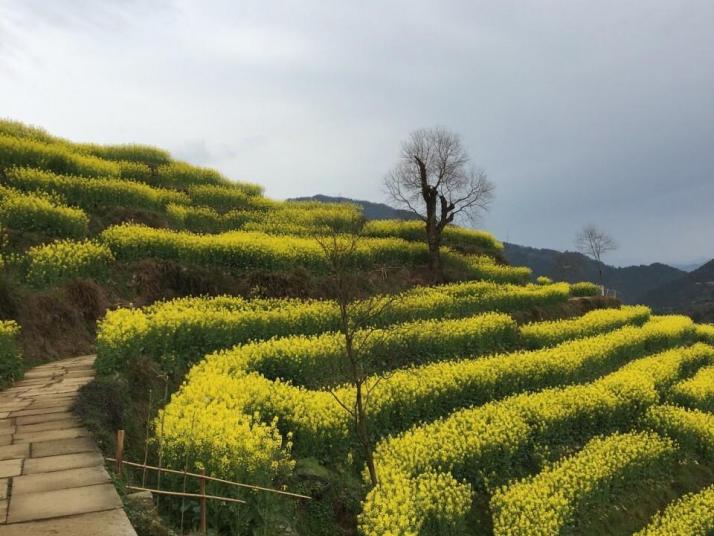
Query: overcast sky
[{"x": 580, "y": 111}]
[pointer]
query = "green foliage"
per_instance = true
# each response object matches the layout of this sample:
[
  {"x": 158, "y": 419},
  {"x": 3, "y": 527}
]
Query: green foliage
[
  {"x": 549, "y": 502},
  {"x": 318, "y": 360},
  {"x": 224, "y": 198},
  {"x": 693, "y": 429},
  {"x": 453, "y": 236},
  {"x": 40, "y": 212},
  {"x": 428, "y": 474},
  {"x": 584, "y": 289},
  {"x": 241, "y": 251},
  {"x": 540, "y": 334},
  {"x": 131, "y": 152},
  {"x": 10, "y": 358},
  {"x": 320, "y": 427},
  {"x": 697, "y": 391},
  {"x": 691, "y": 515},
  {"x": 65, "y": 259},
  {"x": 26, "y": 152},
  {"x": 174, "y": 332},
  {"x": 91, "y": 193}
]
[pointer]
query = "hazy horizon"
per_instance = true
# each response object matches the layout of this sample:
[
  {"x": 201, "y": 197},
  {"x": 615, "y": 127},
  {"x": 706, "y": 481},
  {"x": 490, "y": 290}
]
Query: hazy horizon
[{"x": 579, "y": 112}]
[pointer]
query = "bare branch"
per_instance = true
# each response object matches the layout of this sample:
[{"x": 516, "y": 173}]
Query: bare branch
[{"x": 434, "y": 179}]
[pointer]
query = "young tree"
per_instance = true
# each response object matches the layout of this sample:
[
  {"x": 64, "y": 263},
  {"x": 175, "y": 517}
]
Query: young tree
[
  {"x": 434, "y": 179},
  {"x": 595, "y": 243},
  {"x": 359, "y": 310}
]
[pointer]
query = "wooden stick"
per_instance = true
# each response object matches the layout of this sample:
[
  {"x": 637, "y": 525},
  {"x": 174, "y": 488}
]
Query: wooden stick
[
  {"x": 204, "y": 524},
  {"x": 119, "y": 461},
  {"x": 191, "y": 495},
  {"x": 213, "y": 479}
]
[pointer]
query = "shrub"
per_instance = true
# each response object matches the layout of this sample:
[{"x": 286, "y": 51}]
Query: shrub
[
  {"x": 584, "y": 289},
  {"x": 543, "y": 280},
  {"x": 540, "y": 334},
  {"x": 241, "y": 251},
  {"x": 318, "y": 360},
  {"x": 693, "y": 429},
  {"x": 691, "y": 515},
  {"x": 321, "y": 428},
  {"x": 130, "y": 152},
  {"x": 10, "y": 358},
  {"x": 171, "y": 332},
  {"x": 90, "y": 193},
  {"x": 227, "y": 197},
  {"x": 697, "y": 392},
  {"x": 453, "y": 236},
  {"x": 182, "y": 175},
  {"x": 705, "y": 333},
  {"x": 57, "y": 261},
  {"x": 548, "y": 502},
  {"x": 487, "y": 445},
  {"x": 55, "y": 157},
  {"x": 40, "y": 213}
]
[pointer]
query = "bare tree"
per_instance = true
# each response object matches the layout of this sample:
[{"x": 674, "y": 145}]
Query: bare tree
[
  {"x": 595, "y": 243},
  {"x": 359, "y": 313},
  {"x": 434, "y": 179}
]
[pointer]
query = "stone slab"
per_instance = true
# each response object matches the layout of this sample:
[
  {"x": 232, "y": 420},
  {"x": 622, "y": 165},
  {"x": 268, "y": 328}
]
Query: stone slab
[
  {"x": 112, "y": 522},
  {"x": 48, "y": 435},
  {"x": 44, "y": 417},
  {"x": 63, "y": 446},
  {"x": 10, "y": 452},
  {"x": 10, "y": 468},
  {"x": 3, "y": 488},
  {"x": 48, "y": 425},
  {"x": 69, "y": 478},
  {"x": 59, "y": 463},
  {"x": 63, "y": 502},
  {"x": 42, "y": 411}
]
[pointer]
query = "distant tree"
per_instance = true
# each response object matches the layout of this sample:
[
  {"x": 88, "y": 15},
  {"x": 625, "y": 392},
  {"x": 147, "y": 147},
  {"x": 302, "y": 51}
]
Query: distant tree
[
  {"x": 434, "y": 180},
  {"x": 595, "y": 243},
  {"x": 360, "y": 309}
]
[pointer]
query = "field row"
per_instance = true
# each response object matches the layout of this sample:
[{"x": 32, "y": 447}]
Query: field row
[
  {"x": 318, "y": 360},
  {"x": 179, "y": 333},
  {"x": 65, "y": 158},
  {"x": 442, "y": 463},
  {"x": 217, "y": 394}
]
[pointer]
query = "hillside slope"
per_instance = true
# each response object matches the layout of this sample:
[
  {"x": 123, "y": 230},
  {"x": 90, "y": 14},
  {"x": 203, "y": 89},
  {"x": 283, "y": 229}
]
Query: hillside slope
[
  {"x": 692, "y": 294},
  {"x": 357, "y": 400},
  {"x": 632, "y": 283},
  {"x": 370, "y": 209},
  {"x": 87, "y": 227}
]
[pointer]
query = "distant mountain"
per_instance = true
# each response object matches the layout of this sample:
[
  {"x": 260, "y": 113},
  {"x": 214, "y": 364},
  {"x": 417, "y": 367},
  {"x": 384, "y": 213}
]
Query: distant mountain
[
  {"x": 691, "y": 294},
  {"x": 691, "y": 266},
  {"x": 372, "y": 211},
  {"x": 634, "y": 284},
  {"x": 631, "y": 282}
]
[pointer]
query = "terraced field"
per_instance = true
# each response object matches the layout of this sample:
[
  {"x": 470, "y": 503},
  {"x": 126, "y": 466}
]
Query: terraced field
[{"x": 496, "y": 405}]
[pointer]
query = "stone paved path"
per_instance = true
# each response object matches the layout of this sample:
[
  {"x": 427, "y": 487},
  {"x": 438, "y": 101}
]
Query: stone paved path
[{"x": 52, "y": 476}]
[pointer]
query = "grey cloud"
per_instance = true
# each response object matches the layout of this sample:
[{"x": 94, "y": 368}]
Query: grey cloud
[{"x": 579, "y": 111}]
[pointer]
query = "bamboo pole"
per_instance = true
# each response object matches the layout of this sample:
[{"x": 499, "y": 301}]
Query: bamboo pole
[
  {"x": 213, "y": 479},
  {"x": 119, "y": 460},
  {"x": 204, "y": 525}
]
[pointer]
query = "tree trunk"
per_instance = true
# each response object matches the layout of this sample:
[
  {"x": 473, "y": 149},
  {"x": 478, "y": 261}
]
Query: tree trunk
[
  {"x": 434, "y": 243},
  {"x": 363, "y": 433}
]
